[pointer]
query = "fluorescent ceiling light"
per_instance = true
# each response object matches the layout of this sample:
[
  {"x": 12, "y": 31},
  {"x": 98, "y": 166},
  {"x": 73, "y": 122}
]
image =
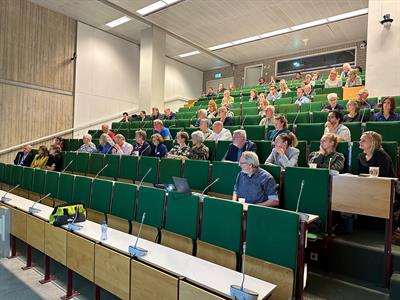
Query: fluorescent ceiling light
[
  {"x": 350, "y": 14},
  {"x": 274, "y": 33},
  {"x": 220, "y": 46},
  {"x": 169, "y": 2},
  {"x": 152, "y": 7},
  {"x": 309, "y": 24},
  {"x": 189, "y": 54},
  {"x": 118, "y": 22},
  {"x": 246, "y": 40}
]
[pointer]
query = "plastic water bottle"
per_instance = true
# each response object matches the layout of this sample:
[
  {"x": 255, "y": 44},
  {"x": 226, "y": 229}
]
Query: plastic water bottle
[{"x": 103, "y": 231}]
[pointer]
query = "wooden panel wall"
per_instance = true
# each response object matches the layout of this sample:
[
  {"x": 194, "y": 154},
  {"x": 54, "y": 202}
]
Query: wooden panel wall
[{"x": 36, "y": 46}]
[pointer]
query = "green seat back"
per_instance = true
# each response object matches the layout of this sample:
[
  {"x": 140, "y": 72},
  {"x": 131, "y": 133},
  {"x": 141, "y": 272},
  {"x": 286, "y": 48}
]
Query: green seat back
[
  {"x": 96, "y": 163},
  {"x": 320, "y": 98},
  {"x": 67, "y": 158},
  {"x": 145, "y": 163},
  {"x": 221, "y": 223},
  {"x": 263, "y": 150},
  {"x": 51, "y": 183},
  {"x": 212, "y": 149},
  {"x": 182, "y": 214},
  {"x": 128, "y": 167},
  {"x": 389, "y": 130},
  {"x": 251, "y": 119},
  {"x": 101, "y": 195},
  {"x": 274, "y": 170},
  {"x": 17, "y": 174},
  {"x": 315, "y": 196},
  {"x": 66, "y": 187},
  {"x": 249, "y": 111},
  {"x": 287, "y": 100},
  {"x": 299, "y": 117},
  {"x": 82, "y": 190},
  {"x": 268, "y": 241},
  {"x": 175, "y": 130},
  {"x": 355, "y": 130},
  {"x": 183, "y": 123},
  {"x": 286, "y": 108},
  {"x": 82, "y": 162},
  {"x": 2, "y": 171},
  {"x": 39, "y": 178},
  {"x": 302, "y": 160},
  {"x": 310, "y": 132},
  {"x": 124, "y": 200},
  {"x": 168, "y": 168},
  {"x": 227, "y": 173},
  {"x": 169, "y": 123},
  {"x": 222, "y": 147},
  {"x": 312, "y": 106},
  {"x": 319, "y": 116},
  {"x": 113, "y": 166},
  {"x": 255, "y": 132},
  {"x": 152, "y": 202},
  {"x": 337, "y": 90},
  {"x": 27, "y": 178},
  {"x": 197, "y": 173},
  {"x": 8, "y": 173}
]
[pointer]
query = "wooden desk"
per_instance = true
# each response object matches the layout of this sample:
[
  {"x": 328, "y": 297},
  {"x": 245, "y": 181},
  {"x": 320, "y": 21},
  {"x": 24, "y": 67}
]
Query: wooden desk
[
  {"x": 18, "y": 224},
  {"x": 80, "y": 256},
  {"x": 188, "y": 291},
  {"x": 35, "y": 232},
  {"x": 56, "y": 243}
]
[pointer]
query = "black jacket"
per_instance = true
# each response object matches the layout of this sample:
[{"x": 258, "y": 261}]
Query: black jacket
[
  {"x": 232, "y": 153},
  {"x": 27, "y": 161}
]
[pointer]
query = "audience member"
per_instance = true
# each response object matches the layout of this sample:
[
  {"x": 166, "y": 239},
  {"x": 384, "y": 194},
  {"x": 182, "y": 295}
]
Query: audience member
[
  {"x": 239, "y": 145},
  {"x": 333, "y": 80},
  {"x": 272, "y": 80},
  {"x": 232, "y": 87},
  {"x": 24, "y": 157},
  {"x": 387, "y": 111},
  {"x": 297, "y": 76},
  {"x": 263, "y": 101},
  {"x": 169, "y": 115},
  {"x": 363, "y": 99},
  {"x": 308, "y": 91},
  {"x": 60, "y": 142},
  {"x": 181, "y": 150},
  {"x": 315, "y": 77},
  {"x": 227, "y": 97},
  {"x": 273, "y": 94},
  {"x": 283, "y": 88},
  {"x": 55, "y": 161},
  {"x": 106, "y": 144},
  {"x": 224, "y": 118},
  {"x": 155, "y": 114},
  {"x": 87, "y": 145},
  {"x": 308, "y": 80},
  {"x": 268, "y": 116},
  {"x": 159, "y": 149},
  {"x": 253, "y": 96},
  {"x": 158, "y": 127},
  {"x": 221, "y": 88},
  {"x": 254, "y": 184},
  {"x": 142, "y": 147},
  {"x": 353, "y": 108},
  {"x": 301, "y": 99},
  {"x": 41, "y": 158},
  {"x": 284, "y": 153},
  {"x": 106, "y": 129},
  {"x": 220, "y": 133},
  {"x": 334, "y": 125},
  {"x": 332, "y": 105},
  {"x": 261, "y": 81},
  {"x": 345, "y": 70},
  {"x": 210, "y": 93},
  {"x": 199, "y": 150},
  {"x": 326, "y": 156},
  {"x": 142, "y": 116},
  {"x": 204, "y": 128},
  {"x": 121, "y": 147},
  {"x": 281, "y": 126},
  {"x": 359, "y": 69},
  {"x": 125, "y": 117},
  {"x": 212, "y": 110},
  {"x": 353, "y": 80},
  {"x": 202, "y": 114},
  {"x": 374, "y": 156}
]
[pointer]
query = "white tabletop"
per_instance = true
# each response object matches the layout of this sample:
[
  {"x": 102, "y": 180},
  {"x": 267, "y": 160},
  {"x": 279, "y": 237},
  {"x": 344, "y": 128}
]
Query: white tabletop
[{"x": 196, "y": 270}]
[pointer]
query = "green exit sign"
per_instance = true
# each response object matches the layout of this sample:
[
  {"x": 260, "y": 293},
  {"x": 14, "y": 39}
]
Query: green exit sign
[{"x": 218, "y": 75}]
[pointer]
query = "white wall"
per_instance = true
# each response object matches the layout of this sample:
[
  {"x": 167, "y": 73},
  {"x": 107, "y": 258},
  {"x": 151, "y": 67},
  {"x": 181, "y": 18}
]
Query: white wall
[
  {"x": 181, "y": 83},
  {"x": 383, "y": 50},
  {"x": 107, "y": 76}
]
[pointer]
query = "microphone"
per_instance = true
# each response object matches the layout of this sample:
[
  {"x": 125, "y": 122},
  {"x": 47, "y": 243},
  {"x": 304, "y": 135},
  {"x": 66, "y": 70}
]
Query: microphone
[
  {"x": 98, "y": 173},
  {"x": 244, "y": 119},
  {"x": 6, "y": 199},
  {"x": 144, "y": 150},
  {"x": 369, "y": 106},
  {"x": 295, "y": 119},
  {"x": 67, "y": 166},
  {"x": 239, "y": 292},
  {"x": 329, "y": 164},
  {"x": 207, "y": 187},
  {"x": 135, "y": 250},
  {"x": 141, "y": 181},
  {"x": 32, "y": 209},
  {"x": 303, "y": 217}
]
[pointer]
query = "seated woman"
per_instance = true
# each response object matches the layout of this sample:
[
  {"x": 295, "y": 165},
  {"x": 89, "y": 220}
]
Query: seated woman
[
  {"x": 353, "y": 80},
  {"x": 158, "y": 149},
  {"x": 281, "y": 126},
  {"x": 201, "y": 114},
  {"x": 227, "y": 97},
  {"x": 212, "y": 110},
  {"x": 374, "y": 156},
  {"x": 268, "y": 114},
  {"x": 87, "y": 146},
  {"x": 327, "y": 157},
  {"x": 55, "y": 161},
  {"x": 198, "y": 150},
  {"x": 253, "y": 96},
  {"x": 353, "y": 108},
  {"x": 263, "y": 104},
  {"x": 283, "y": 88},
  {"x": 207, "y": 132},
  {"x": 41, "y": 158},
  {"x": 106, "y": 144},
  {"x": 181, "y": 150},
  {"x": 333, "y": 80},
  {"x": 284, "y": 153},
  {"x": 60, "y": 142},
  {"x": 232, "y": 87},
  {"x": 387, "y": 111},
  {"x": 125, "y": 117},
  {"x": 224, "y": 117}
]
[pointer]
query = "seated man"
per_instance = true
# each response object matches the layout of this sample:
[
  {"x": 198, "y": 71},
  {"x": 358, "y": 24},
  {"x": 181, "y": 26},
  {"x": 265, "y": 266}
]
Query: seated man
[
  {"x": 210, "y": 93},
  {"x": 106, "y": 129},
  {"x": 142, "y": 116},
  {"x": 308, "y": 91},
  {"x": 239, "y": 145},
  {"x": 334, "y": 125},
  {"x": 121, "y": 147},
  {"x": 142, "y": 147},
  {"x": 158, "y": 127},
  {"x": 301, "y": 99},
  {"x": 202, "y": 114},
  {"x": 155, "y": 114},
  {"x": 24, "y": 157},
  {"x": 169, "y": 115},
  {"x": 332, "y": 105},
  {"x": 221, "y": 88},
  {"x": 125, "y": 117},
  {"x": 273, "y": 94},
  {"x": 254, "y": 184},
  {"x": 363, "y": 99},
  {"x": 220, "y": 133}
]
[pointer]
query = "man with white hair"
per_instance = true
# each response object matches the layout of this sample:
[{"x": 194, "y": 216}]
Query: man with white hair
[
  {"x": 24, "y": 157},
  {"x": 239, "y": 145},
  {"x": 332, "y": 105},
  {"x": 87, "y": 145},
  {"x": 254, "y": 184},
  {"x": 363, "y": 99},
  {"x": 106, "y": 129},
  {"x": 121, "y": 147},
  {"x": 204, "y": 128},
  {"x": 202, "y": 114},
  {"x": 220, "y": 133}
]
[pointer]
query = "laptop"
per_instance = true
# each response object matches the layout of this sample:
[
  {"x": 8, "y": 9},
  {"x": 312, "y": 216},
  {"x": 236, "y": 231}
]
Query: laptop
[{"x": 181, "y": 185}]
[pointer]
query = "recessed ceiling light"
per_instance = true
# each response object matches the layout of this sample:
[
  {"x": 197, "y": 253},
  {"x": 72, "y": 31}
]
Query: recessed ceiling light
[
  {"x": 118, "y": 22},
  {"x": 220, "y": 46},
  {"x": 189, "y": 54},
  {"x": 274, "y": 33},
  {"x": 151, "y": 8},
  {"x": 246, "y": 40}
]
